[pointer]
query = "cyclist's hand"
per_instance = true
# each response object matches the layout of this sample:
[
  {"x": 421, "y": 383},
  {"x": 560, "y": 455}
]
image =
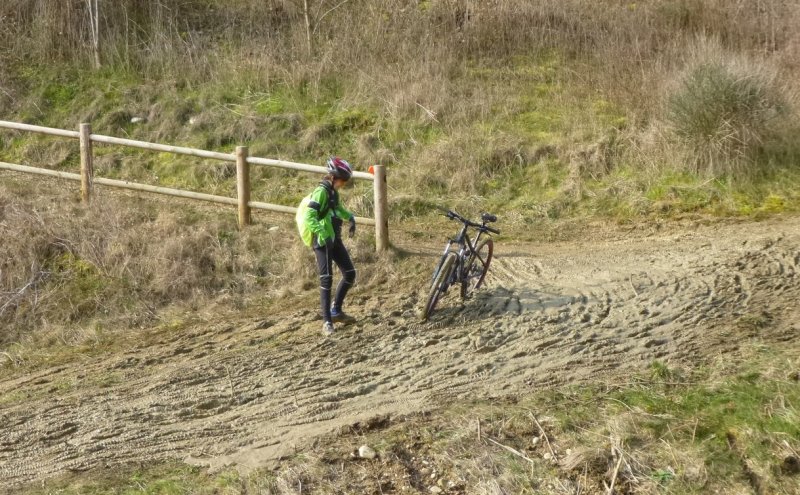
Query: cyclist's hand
[{"x": 352, "y": 230}]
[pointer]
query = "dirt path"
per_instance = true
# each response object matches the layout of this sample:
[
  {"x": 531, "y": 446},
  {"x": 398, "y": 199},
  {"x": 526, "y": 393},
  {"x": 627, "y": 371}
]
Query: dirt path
[{"x": 248, "y": 392}]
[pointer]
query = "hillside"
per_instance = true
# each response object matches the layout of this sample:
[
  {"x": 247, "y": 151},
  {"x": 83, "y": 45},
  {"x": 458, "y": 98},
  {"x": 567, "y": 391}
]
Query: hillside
[{"x": 638, "y": 328}]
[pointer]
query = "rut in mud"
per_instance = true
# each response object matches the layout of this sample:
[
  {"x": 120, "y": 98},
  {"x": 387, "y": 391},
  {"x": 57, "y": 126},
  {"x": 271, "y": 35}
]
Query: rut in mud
[{"x": 249, "y": 392}]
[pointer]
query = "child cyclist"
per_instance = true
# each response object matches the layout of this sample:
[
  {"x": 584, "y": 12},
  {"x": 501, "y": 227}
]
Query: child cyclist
[{"x": 319, "y": 220}]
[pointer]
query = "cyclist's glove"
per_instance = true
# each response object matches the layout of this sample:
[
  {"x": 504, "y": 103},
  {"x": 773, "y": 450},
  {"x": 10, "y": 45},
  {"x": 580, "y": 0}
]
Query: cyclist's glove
[{"x": 352, "y": 230}]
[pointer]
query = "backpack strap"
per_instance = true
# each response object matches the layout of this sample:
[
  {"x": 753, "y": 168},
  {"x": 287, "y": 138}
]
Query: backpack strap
[{"x": 322, "y": 209}]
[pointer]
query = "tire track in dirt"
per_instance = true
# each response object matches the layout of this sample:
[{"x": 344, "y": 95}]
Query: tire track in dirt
[{"x": 249, "y": 392}]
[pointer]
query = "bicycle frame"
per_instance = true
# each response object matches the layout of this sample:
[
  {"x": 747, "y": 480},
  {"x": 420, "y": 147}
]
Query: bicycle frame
[
  {"x": 459, "y": 257},
  {"x": 466, "y": 247}
]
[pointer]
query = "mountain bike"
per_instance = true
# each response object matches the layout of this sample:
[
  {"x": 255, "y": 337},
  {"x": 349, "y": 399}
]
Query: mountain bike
[{"x": 465, "y": 261}]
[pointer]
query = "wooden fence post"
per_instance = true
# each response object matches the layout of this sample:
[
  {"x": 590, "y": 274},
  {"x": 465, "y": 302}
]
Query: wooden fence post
[
  {"x": 87, "y": 172},
  {"x": 243, "y": 185},
  {"x": 381, "y": 209}
]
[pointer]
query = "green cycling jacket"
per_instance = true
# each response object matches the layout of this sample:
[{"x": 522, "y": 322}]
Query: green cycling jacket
[{"x": 316, "y": 212}]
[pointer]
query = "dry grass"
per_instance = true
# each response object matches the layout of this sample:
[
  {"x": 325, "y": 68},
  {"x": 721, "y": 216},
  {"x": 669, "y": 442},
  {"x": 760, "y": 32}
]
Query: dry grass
[
  {"x": 404, "y": 53},
  {"x": 65, "y": 265},
  {"x": 442, "y": 80},
  {"x": 73, "y": 276}
]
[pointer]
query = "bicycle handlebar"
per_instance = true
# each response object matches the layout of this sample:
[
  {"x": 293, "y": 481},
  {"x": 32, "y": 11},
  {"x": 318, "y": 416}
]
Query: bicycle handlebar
[{"x": 455, "y": 216}]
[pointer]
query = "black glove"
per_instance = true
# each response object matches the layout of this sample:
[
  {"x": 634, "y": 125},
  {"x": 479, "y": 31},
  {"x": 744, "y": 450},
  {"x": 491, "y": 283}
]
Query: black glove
[{"x": 352, "y": 230}]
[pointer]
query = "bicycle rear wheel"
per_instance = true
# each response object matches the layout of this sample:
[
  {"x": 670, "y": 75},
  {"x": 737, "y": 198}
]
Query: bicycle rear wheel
[
  {"x": 440, "y": 284},
  {"x": 476, "y": 267}
]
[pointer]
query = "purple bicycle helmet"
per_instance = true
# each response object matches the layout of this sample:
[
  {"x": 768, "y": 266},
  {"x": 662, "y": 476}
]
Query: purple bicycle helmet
[{"x": 339, "y": 168}]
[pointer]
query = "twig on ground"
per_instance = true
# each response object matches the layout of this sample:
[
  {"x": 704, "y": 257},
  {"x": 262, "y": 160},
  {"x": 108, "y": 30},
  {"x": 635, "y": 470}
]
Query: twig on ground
[
  {"x": 512, "y": 450},
  {"x": 786, "y": 444},
  {"x": 633, "y": 477},
  {"x": 630, "y": 280},
  {"x": 755, "y": 479},
  {"x": 32, "y": 282},
  {"x": 318, "y": 22},
  {"x": 544, "y": 435},
  {"x": 616, "y": 470},
  {"x": 670, "y": 450},
  {"x": 10, "y": 358},
  {"x": 641, "y": 382},
  {"x": 630, "y": 473},
  {"x": 428, "y": 111},
  {"x": 230, "y": 381}
]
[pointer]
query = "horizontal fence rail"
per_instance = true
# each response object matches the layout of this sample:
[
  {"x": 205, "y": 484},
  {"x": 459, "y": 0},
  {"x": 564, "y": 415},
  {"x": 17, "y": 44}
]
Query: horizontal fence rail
[
  {"x": 241, "y": 158},
  {"x": 39, "y": 129},
  {"x": 178, "y": 150}
]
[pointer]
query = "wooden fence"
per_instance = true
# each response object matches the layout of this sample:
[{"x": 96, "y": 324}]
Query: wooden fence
[{"x": 241, "y": 158}]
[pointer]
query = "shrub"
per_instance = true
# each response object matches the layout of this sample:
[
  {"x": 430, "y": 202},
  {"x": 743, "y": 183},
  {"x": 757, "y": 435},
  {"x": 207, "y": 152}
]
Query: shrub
[{"x": 724, "y": 115}]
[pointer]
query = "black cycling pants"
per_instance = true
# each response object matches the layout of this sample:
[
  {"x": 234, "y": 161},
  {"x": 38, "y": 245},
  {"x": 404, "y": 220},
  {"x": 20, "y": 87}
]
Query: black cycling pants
[{"x": 326, "y": 257}]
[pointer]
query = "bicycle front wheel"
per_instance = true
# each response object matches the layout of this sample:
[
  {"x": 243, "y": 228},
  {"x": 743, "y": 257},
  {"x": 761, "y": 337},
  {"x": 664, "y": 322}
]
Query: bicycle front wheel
[
  {"x": 476, "y": 267},
  {"x": 438, "y": 269},
  {"x": 440, "y": 284}
]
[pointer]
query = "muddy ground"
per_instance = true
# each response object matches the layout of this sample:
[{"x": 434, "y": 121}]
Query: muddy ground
[{"x": 247, "y": 392}]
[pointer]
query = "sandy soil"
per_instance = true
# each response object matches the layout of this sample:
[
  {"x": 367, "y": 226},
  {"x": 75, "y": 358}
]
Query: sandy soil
[{"x": 248, "y": 392}]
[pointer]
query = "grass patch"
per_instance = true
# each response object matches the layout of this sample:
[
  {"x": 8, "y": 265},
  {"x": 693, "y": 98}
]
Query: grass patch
[{"x": 166, "y": 479}]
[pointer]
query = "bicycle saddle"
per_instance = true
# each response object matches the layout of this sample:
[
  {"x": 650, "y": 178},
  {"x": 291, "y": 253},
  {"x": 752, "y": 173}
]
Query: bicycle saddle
[{"x": 488, "y": 217}]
